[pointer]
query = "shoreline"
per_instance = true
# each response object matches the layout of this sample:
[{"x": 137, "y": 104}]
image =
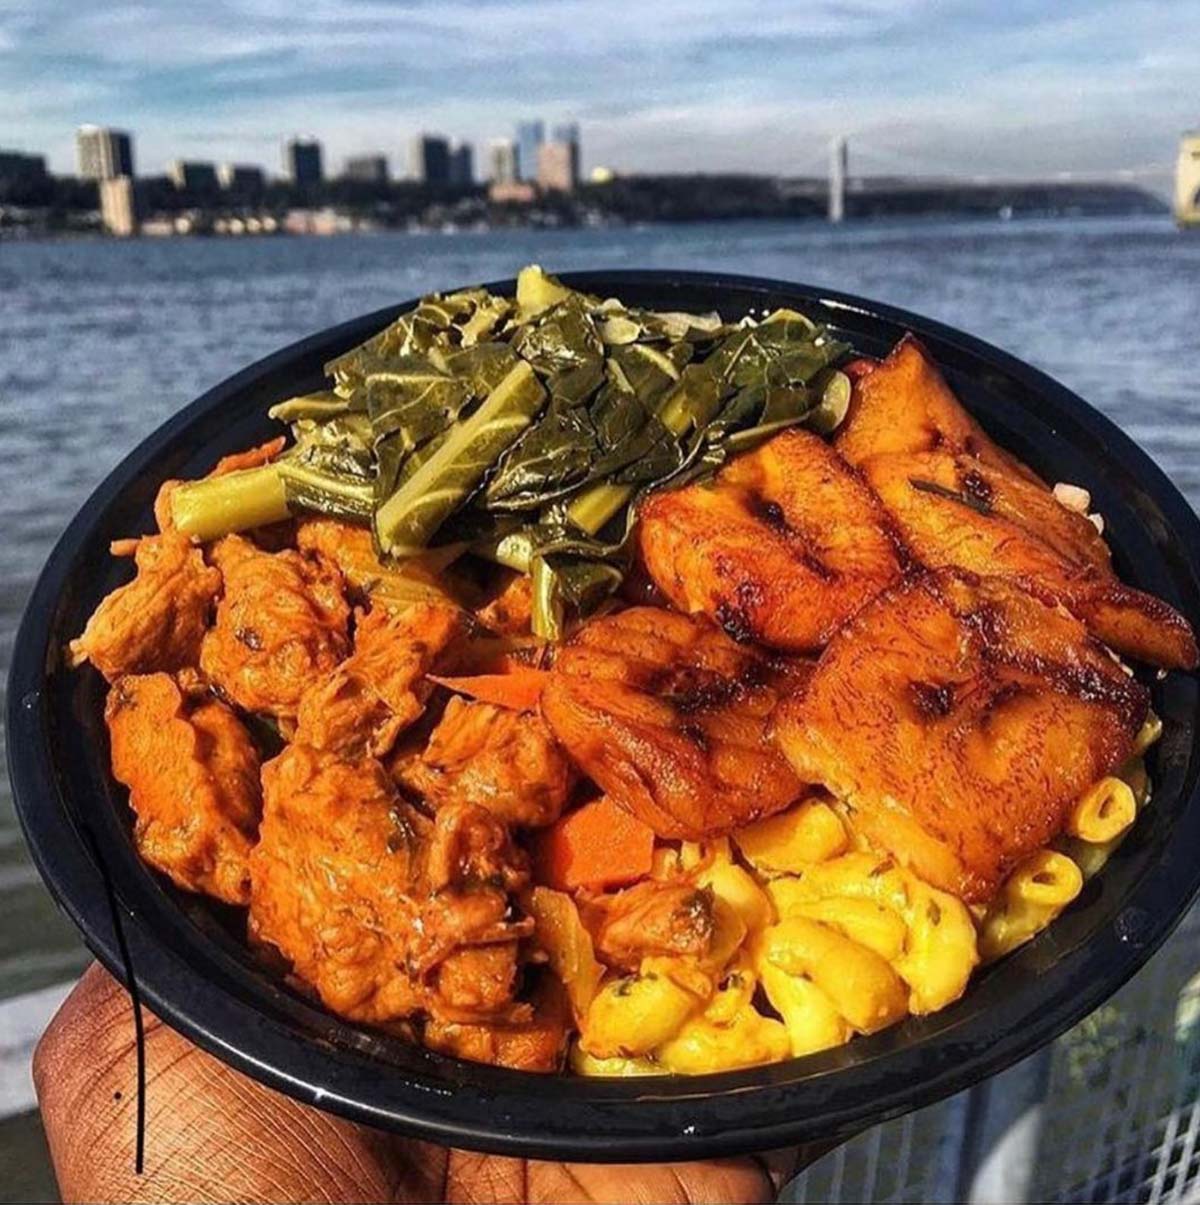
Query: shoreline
[{"x": 367, "y": 229}]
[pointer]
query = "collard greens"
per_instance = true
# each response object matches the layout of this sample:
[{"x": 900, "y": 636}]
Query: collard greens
[{"x": 529, "y": 427}]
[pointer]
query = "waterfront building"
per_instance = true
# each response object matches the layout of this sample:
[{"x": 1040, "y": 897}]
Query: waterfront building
[
  {"x": 430, "y": 159},
  {"x": 302, "y": 161},
  {"x": 462, "y": 165},
  {"x": 192, "y": 175},
  {"x": 530, "y": 136},
  {"x": 241, "y": 177},
  {"x": 369, "y": 169},
  {"x": 502, "y": 161},
  {"x": 558, "y": 166},
  {"x": 18, "y": 170},
  {"x": 102, "y": 154},
  {"x": 512, "y": 192},
  {"x": 1187, "y": 180},
  {"x": 118, "y": 206}
]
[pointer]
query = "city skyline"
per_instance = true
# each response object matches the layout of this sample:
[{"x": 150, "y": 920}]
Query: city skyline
[
  {"x": 106, "y": 153},
  {"x": 919, "y": 86}
]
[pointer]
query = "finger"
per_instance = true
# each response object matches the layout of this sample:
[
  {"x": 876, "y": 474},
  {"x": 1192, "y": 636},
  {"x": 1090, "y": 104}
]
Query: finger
[
  {"x": 474, "y": 1179},
  {"x": 783, "y": 1165},
  {"x": 211, "y": 1133}
]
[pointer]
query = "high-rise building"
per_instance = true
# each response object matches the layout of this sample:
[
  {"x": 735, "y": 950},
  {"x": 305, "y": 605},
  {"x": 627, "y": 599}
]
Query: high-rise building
[
  {"x": 462, "y": 165},
  {"x": 18, "y": 168},
  {"x": 118, "y": 206},
  {"x": 241, "y": 177},
  {"x": 430, "y": 159},
  {"x": 302, "y": 161},
  {"x": 530, "y": 136},
  {"x": 502, "y": 161},
  {"x": 558, "y": 166},
  {"x": 568, "y": 131},
  {"x": 370, "y": 169},
  {"x": 102, "y": 154},
  {"x": 192, "y": 175},
  {"x": 23, "y": 179}
]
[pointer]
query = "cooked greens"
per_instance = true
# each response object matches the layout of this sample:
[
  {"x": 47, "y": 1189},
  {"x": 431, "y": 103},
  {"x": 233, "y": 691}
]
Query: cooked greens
[
  {"x": 407, "y": 521},
  {"x": 528, "y": 428}
]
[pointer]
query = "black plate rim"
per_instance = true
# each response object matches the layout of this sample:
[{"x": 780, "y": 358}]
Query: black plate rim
[{"x": 657, "y": 1129}]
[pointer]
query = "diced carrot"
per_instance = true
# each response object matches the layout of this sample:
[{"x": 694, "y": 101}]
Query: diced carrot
[
  {"x": 251, "y": 458},
  {"x": 520, "y": 689},
  {"x": 597, "y": 845}
]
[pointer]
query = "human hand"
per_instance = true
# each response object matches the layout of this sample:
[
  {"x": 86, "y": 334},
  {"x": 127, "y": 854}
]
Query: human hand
[{"x": 214, "y": 1135}]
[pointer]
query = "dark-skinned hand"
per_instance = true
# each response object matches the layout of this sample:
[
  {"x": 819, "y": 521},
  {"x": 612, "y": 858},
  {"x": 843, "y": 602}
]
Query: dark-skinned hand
[{"x": 214, "y": 1135}]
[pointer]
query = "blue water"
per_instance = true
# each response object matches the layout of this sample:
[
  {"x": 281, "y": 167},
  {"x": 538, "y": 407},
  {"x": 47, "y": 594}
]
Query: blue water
[{"x": 100, "y": 341}]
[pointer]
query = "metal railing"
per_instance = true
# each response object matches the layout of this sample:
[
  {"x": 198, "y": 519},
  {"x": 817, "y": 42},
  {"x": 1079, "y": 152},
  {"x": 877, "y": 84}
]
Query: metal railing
[{"x": 1108, "y": 1113}]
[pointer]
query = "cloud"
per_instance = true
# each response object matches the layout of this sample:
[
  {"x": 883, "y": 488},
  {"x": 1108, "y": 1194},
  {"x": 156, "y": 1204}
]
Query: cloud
[{"x": 955, "y": 85}]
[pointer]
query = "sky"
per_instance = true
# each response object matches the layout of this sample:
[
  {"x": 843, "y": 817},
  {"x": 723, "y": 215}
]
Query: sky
[{"x": 1006, "y": 88}]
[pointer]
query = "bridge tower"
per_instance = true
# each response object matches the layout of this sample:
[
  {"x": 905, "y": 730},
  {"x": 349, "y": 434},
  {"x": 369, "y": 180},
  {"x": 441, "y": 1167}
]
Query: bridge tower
[
  {"x": 1187, "y": 180},
  {"x": 839, "y": 158}
]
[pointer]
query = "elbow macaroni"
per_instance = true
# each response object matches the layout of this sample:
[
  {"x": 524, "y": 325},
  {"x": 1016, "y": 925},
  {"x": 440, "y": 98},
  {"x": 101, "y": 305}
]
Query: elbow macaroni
[
  {"x": 835, "y": 938},
  {"x": 583, "y": 1063},
  {"x": 633, "y": 1014},
  {"x": 926, "y": 935},
  {"x": 1104, "y": 812},
  {"x": 729, "y": 1033},
  {"x": 861, "y": 985},
  {"x": 1040, "y": 888},
  {"x": 811, "y": 1020},
  {"x": 809, "y": 832},
  {"x": 1150, "y": 733},
  {"x": 1034, "y": 894}
]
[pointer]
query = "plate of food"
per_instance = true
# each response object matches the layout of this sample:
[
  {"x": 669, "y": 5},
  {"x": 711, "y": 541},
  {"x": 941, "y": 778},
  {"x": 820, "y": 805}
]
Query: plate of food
[{"x": 626, "y": 716}]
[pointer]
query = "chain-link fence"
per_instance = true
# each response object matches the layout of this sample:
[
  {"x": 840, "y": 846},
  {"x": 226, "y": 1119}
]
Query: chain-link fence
[{"x": 1109, "y": 1113}]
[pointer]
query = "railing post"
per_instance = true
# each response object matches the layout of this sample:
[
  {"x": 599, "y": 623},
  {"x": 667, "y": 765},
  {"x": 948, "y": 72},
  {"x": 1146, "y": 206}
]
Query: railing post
[{"x": 1004, "y": 1124}]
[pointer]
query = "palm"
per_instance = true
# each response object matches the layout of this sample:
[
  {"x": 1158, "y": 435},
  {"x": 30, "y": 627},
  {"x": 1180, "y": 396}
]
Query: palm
[{"x": 213, "y": 1135}]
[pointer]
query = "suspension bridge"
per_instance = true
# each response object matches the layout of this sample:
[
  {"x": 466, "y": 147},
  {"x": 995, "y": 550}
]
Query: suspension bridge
[{"x": 880, "y": 171}]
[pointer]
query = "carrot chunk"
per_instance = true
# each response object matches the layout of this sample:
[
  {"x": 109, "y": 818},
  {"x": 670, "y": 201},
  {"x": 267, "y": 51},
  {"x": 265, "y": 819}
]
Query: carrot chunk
[
  {"x": 597, "y": 845},
  {"x": 519, "y": 689}
]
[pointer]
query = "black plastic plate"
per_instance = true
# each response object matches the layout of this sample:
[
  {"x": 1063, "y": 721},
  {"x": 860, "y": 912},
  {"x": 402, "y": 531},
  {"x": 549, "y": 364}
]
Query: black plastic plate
[{"x": 195, "y": 972}]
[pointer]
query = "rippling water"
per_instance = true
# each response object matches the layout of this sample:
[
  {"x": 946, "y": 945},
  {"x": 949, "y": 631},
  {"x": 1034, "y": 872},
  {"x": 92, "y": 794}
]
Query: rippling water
[{"x": 100, "y": 341}]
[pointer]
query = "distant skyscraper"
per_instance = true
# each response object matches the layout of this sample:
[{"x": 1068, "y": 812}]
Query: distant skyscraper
[
  {"x": 530, "y": 136},
  {"x": 302, "y": 161},
  {"x": 430, "y": 161},
  {"x": 558, "y": 166},
  {"x": 567, "y": 132},
  {"x": 103, "y": 154},
  {"x": 462, "y": 165},
  {"x": 369, "y": 169},
  {"x": 502, "y": 161},
  {"x": 192, "y": 176},
  {"x": 241, "y": 177}
]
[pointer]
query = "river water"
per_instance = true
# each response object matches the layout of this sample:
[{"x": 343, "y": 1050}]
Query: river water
[{"x": 101, "y": 341}]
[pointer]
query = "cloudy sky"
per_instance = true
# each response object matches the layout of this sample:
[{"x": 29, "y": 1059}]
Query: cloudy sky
[{"x": 1001, "y": 87}]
